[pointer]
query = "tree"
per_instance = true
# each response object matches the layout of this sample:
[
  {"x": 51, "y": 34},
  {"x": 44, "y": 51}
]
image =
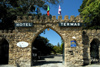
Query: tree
[
  {"x": 58, "y": 44},
  {"x": 42, "y": 44},
  {"x": 62, "y": 46},
  {"x": 90, "y": 12},
  {"x": 9, "y": 9},
  {"x": 57, "y": 48}
]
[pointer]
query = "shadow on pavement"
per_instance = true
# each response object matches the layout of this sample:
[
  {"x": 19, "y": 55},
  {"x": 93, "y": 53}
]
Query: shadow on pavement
[
  {"x": 43, "y": 57},
  {"x": 50, "y": 59}
]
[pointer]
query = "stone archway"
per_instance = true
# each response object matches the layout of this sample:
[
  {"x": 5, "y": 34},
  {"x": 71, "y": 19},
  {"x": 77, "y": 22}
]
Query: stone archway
[
  {"x": 88, "y": 36},
  {"x": 4, "y": 51},
  {"x": 7, "y": 37},
  {"x": 56, "y": 30},
  {"x": 94, "y": 50},
  {"x": 73, "y": 56}
]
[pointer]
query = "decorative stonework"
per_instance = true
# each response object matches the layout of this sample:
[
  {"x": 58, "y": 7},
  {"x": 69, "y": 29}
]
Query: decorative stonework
[{"x": 73, "y": 56}]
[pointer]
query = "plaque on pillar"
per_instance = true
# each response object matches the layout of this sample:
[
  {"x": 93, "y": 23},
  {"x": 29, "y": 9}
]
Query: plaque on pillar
[
  {"x": 73, "y": 43},
  {"x": 22, "y": 44}
]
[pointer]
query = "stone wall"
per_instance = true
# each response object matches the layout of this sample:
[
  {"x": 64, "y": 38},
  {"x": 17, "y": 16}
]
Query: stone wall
[
  {"x": 73, "y": 56},
  {"x": 9, "y": 35},
  {"x": 87, "y": 37}
]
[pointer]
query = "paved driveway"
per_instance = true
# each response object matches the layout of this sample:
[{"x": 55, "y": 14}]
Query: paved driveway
[
  {"x": 7, "y": 66},
  {"x": 51, "y": 65},
  {"x": 51, "y": 61},
  {"x": 93, "y": 65}
]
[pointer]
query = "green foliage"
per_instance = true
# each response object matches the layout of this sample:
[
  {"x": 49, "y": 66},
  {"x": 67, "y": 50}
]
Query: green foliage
[
  {"x": 43, "y": 45},
  {"x": 58, "y": 45},
  {"x": 62, "y": 45},
  {"x": 90, "y": 12},
  {"x": 9, "y": 9},
  {"x": 57, "y": 49}
]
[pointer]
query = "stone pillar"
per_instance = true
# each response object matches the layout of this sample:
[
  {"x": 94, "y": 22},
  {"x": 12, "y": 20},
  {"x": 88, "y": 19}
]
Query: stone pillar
[
  {"x": 65, "y": 51},
  {"x": 89, "y": 56},
  {"x": 21, "y": 55},
  {"x": 11, "y": 53},
  {"x": 85, "y": 55},
  {"x": 99, "y": 54}
]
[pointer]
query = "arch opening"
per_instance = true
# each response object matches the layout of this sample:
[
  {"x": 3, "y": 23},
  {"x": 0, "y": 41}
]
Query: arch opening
[
  {"x": 4, "y": 51},
  {"x": 94, "y": 51},
  {"x": 38, "y": 55}
]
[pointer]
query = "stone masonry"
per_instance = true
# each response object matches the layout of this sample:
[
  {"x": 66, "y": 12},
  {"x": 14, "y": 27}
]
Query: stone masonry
[{"x": 73, "y": 56}]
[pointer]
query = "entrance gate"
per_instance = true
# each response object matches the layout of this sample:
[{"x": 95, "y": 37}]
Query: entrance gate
[
  {"x": 73, "y": 55},
  {"x": 76, "y": 52}
]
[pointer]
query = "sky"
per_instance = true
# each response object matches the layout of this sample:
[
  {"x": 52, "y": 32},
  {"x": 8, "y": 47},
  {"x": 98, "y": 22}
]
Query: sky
[{"x": 68, "y": 7}]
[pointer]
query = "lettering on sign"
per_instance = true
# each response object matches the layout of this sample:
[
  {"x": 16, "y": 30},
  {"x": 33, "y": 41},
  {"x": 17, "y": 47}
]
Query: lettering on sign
[
  {"x": 23, "y": 24},
  {"x": 70, "y": 24}
]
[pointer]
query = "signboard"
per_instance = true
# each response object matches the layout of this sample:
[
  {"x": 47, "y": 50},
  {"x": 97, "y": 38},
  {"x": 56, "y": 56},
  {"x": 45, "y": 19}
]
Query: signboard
[
  {"x": 73, "y": 43},
  {"x": 70, "y": 24},
  {"x": 23, "y": 24},
  {"x": 22, "y": 44}
]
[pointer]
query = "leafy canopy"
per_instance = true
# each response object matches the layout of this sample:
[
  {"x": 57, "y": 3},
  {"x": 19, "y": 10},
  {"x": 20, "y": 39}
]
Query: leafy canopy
[
  {"x": 42, "y": 44},
  {"x": 90, "y": 12},
  {"x": 9, "y": 9}
]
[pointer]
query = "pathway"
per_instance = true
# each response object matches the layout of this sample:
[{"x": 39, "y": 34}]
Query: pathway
[{"x": 51, "y": 61}]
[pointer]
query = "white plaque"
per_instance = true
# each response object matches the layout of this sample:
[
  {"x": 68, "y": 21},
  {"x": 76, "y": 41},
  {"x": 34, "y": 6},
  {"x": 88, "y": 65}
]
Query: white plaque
[
  {"x": 74, "y": 37},
  {"x": 22, "y": 44}
]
